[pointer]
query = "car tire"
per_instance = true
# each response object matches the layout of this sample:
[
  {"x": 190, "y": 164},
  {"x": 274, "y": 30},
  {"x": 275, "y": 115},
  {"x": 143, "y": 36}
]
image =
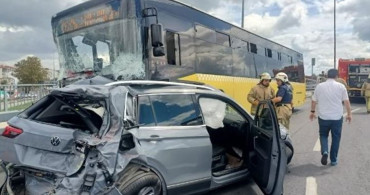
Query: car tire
[
  {"x": 139, "y": 180},
  {"x": 289, "y": 152}
]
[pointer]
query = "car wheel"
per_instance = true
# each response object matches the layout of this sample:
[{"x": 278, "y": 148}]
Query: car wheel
[
  {"x": 289, "y": 152},
  {"x": 139, "y": 180}
]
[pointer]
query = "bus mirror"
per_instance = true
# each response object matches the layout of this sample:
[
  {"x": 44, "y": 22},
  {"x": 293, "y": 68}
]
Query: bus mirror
[
  {"x": 89, "y": 41},
  {"x": 98, "y": 64},
  {"x": 156, "y": 32},
  {"x": 158, "y": 51}
]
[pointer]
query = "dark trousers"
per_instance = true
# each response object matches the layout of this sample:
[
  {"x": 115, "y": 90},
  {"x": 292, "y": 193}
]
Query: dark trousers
[{"x": 335, "y": 127}]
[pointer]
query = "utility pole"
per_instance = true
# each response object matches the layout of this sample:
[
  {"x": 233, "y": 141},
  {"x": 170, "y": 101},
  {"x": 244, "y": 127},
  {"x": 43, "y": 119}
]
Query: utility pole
[
  {"x": 242, "y": 13},
  {"x": 335, "y": 36},
  {"x": 313, "y": 60}
]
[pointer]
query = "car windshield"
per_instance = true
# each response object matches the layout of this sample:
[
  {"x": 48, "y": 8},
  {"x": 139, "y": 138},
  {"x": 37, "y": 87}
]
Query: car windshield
[{"x": 111, "y": 49}]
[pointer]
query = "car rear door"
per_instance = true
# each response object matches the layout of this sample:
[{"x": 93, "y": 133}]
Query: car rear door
[
  {"x": 267, "y": 157},
  {"x": 175, "y": 140}
]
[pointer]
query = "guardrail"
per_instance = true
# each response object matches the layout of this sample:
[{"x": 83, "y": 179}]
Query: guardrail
[{"x": 19, "y": 97}]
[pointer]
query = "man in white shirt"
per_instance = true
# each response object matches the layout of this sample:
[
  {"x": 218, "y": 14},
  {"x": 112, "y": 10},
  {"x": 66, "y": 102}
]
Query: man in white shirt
[{"x": 329, "y": 96}]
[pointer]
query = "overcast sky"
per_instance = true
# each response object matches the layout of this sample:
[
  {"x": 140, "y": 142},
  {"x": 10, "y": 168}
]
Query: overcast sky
[{"x": 303, "y": 25}]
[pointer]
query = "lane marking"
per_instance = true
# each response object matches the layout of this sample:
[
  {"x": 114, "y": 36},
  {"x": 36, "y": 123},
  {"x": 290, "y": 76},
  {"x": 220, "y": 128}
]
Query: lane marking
[
  {"x": 311, "y": 186},
  {"x": 317, "y": 147},
  {"x": 352, "y": 111}
]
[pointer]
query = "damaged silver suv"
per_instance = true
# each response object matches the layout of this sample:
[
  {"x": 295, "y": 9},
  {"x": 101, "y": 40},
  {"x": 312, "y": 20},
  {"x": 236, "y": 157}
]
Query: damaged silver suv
[{"x": 141, "y": 137}]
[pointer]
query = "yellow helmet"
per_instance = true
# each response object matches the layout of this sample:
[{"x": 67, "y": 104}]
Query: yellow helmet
[
  {"x": 265, "y": 76},
  {"x": 282, "y": 76}
]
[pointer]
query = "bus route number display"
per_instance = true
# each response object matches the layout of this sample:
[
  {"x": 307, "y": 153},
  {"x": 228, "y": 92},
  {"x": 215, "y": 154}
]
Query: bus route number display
[{"x": 89, "y": 18}]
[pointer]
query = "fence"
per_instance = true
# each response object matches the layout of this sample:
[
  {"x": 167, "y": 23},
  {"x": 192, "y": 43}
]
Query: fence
[
  {"x": 19, "y": 97},
  {"x": 311, "y": 84}
]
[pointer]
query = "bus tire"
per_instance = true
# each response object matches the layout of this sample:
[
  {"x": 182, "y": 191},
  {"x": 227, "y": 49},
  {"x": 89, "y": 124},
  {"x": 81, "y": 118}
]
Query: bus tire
[{"x": 139, "y": 180}]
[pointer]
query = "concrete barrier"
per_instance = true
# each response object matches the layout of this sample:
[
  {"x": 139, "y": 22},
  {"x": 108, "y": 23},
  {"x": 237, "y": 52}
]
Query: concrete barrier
[{"x": 309, "y": 94}]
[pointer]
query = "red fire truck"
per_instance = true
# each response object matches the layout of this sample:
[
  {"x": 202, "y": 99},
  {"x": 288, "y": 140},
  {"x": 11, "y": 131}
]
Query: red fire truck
[{"x": 355, "y": 73}]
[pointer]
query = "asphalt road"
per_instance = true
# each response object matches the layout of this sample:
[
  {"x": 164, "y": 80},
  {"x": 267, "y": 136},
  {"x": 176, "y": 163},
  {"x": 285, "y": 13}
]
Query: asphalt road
[{"x": 306, "y": 175}]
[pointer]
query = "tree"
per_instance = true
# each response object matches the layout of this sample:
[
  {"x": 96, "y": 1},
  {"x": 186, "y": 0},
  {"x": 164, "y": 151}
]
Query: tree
[{"x": 30, "y": 71}]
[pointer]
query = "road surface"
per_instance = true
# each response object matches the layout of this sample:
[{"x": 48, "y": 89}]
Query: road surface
[{"x": 306, "y": 175}]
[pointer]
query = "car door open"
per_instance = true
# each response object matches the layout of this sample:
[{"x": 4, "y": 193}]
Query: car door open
[{"x": 267, "y": 158}]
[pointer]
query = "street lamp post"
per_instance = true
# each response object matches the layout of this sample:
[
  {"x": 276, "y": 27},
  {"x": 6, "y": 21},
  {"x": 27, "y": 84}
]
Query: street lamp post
[
  {"x": 313, "y": 60},
  {"x": 335, "y": 37},
  {"x": 242, "y": 13}
]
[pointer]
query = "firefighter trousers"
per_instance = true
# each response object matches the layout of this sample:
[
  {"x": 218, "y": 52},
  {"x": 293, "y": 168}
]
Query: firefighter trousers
[
  {"x": 367, "y": 104},
  {"x": 284, "y": 113}
]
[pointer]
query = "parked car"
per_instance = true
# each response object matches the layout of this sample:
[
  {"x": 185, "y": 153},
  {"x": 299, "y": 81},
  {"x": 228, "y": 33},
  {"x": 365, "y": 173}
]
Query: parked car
[{"x": 141, "y": 137}]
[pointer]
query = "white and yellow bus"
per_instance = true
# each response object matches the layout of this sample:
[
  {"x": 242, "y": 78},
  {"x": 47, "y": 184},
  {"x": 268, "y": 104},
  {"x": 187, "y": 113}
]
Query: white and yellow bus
[{"x": 168, "y": 40}]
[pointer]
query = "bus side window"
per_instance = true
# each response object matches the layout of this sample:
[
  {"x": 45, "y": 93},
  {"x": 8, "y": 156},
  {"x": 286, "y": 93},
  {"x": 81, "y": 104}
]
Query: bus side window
[
  {"x": 223, "y": 39},
  {"x": 239, "y": 44},
  {"x": 173, "y": 48},
  {"x": 205, "y": 34},
  {"x": 268, "y": 52},
  {"x": 279, "y": 56},
  {"x": 253, "y": 48}
]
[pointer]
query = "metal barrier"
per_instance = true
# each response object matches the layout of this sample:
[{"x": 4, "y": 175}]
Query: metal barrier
[{"x": 19, "y": 97}]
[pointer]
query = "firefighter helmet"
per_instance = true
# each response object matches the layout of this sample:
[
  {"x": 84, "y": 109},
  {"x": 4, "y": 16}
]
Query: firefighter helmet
[
  {"x": 282, "y": 76},
  {"x": 265, "y": 76}
]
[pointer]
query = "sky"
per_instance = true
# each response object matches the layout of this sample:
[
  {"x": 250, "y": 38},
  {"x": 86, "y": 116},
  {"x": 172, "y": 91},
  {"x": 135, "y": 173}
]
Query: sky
[{"x": 306, "y": 26}]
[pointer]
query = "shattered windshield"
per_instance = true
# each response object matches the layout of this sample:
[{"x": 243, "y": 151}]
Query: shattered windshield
[{"x": 111, "y": 49}]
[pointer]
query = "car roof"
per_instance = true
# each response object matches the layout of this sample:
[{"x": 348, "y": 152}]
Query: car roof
[{"x": 142, "y": 87}]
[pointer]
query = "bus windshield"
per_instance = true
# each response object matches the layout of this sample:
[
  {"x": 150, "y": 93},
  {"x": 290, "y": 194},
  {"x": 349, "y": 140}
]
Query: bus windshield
[{"x": 111, "y": 49}]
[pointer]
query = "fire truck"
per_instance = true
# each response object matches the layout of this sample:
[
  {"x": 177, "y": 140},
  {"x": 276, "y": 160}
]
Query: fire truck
[{"x": 354, "y": 72}]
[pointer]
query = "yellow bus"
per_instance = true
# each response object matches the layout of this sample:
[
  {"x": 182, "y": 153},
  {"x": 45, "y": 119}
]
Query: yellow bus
[{"x": 168, "y": 40}]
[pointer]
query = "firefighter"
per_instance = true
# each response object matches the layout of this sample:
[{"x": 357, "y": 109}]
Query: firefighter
[
  {"x": 365, "y": 91},
  {"x": 340, "y": 80},
  {"x": 262, "y": 91},
  {"x": 283, "y": 99}
]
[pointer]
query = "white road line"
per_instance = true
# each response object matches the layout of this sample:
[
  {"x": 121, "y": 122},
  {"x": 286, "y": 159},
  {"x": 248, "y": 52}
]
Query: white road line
[
  {"x": 317, "y": 146},
  {"x": 311, "y": 186},
  {"x": 345, "y": 114}
]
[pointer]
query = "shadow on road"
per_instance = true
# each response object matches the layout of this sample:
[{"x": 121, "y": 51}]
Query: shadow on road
[
  {"x": 309, "y": 170},
  {"x": 240, "y": 188}
]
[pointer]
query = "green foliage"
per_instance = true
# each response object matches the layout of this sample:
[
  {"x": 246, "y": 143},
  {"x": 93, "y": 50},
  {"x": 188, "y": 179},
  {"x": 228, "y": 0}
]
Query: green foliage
[
  {"x": 30, "y": 71},
  {"x": 20, "y": 107},
  {"x": 4, "y": 82}
]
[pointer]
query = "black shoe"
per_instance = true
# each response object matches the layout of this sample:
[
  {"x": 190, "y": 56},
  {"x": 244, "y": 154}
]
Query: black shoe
[{"x": 324, "y": 159}]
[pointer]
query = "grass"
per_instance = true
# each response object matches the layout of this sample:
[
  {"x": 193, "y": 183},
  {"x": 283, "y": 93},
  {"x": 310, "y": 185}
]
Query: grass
[{"x": 20, "y": 107}]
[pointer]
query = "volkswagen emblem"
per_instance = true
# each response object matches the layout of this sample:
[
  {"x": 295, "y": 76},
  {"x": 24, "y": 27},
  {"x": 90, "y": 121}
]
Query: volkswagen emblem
[{"x": 55, "y": 141}]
